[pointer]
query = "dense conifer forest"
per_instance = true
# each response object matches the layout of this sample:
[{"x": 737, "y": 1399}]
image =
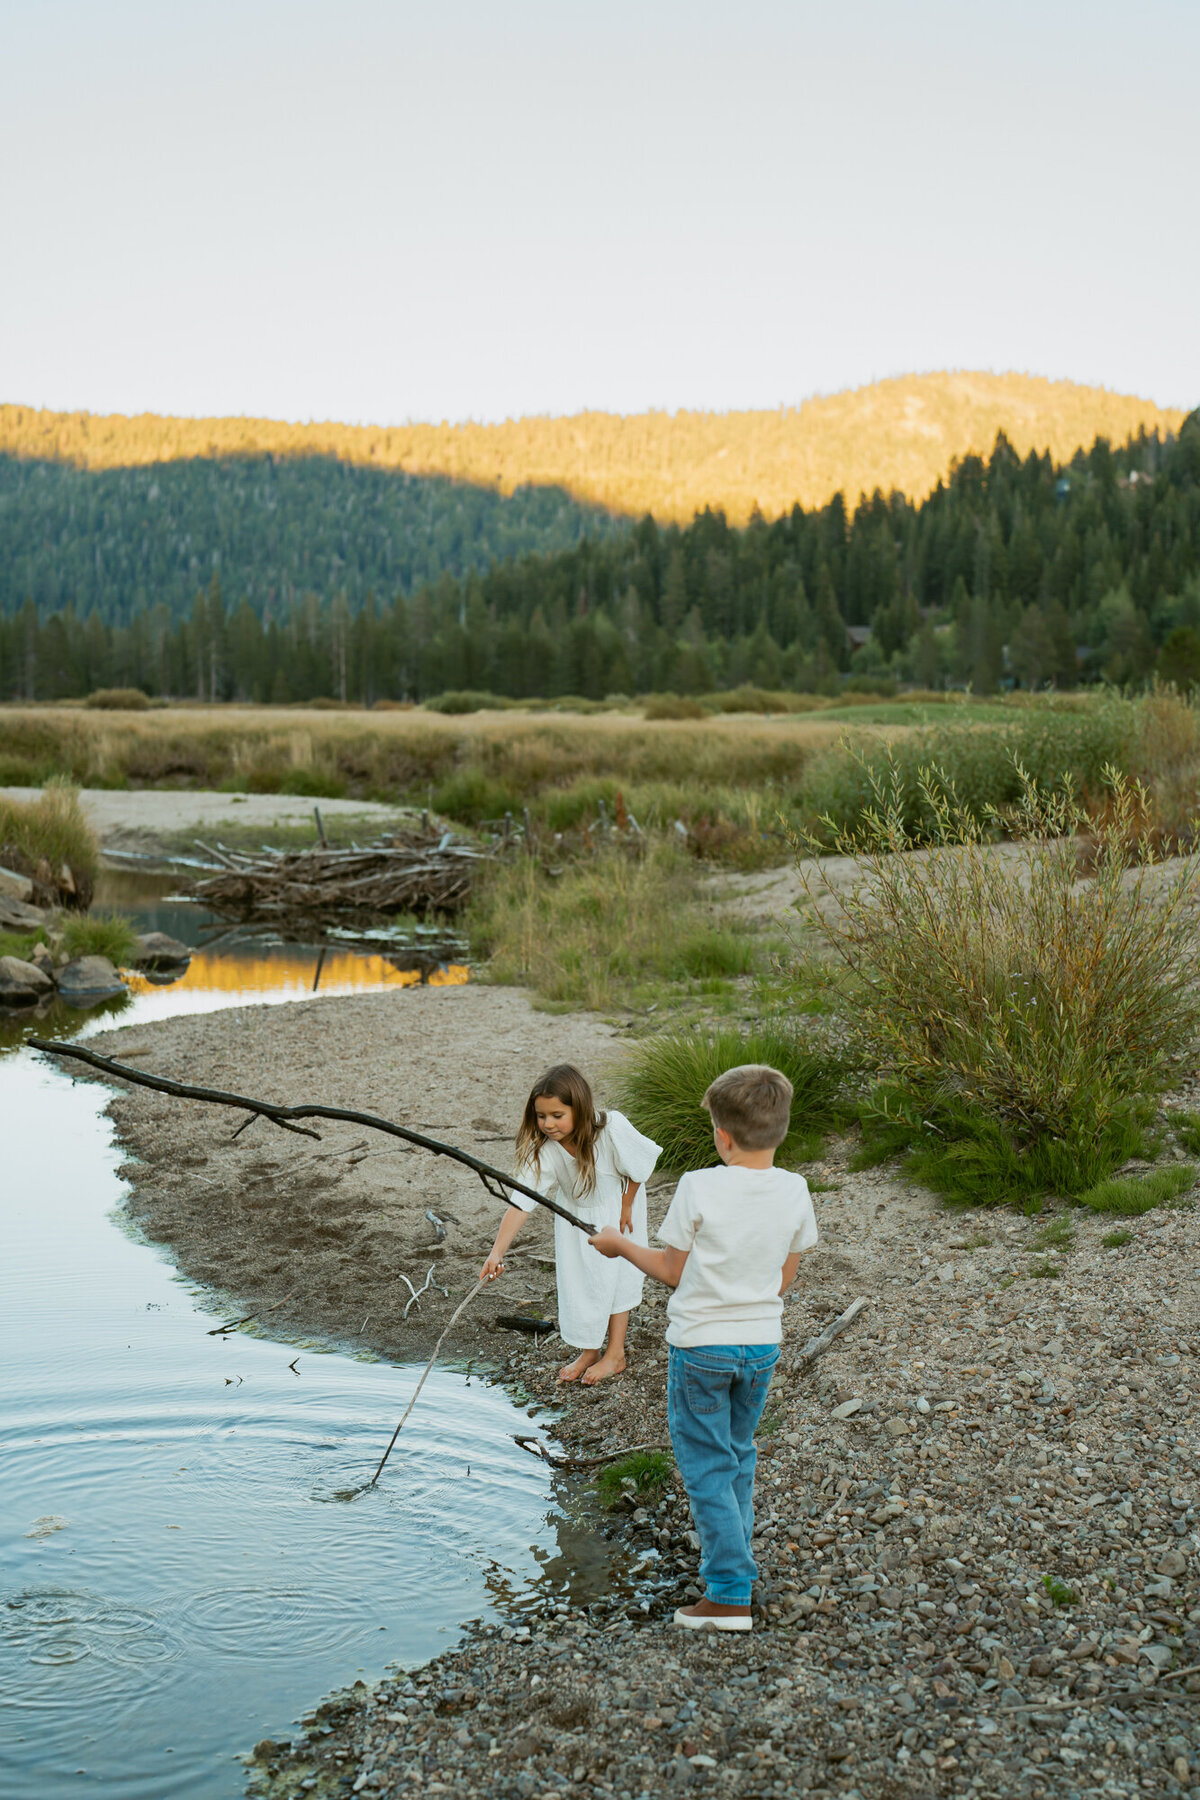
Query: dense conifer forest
[
  {"x": 1013, "y": 570},
  {"x": 118, "y": 541}
]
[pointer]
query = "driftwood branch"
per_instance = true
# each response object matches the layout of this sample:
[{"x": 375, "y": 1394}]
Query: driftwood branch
[
  {"x": 818, "y": 1345},
  {"x": 535, "y": 1447},
  {"x": 499, "y": 1185}
]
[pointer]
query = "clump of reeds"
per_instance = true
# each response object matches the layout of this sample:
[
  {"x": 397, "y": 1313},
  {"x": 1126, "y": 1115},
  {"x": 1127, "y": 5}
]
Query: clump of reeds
[
  {"x": 40, "y": 838},
  {"x": 607, "y": 929}
]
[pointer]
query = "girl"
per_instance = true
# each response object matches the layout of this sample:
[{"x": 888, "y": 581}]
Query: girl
[{"x": 597, "y": 1162}]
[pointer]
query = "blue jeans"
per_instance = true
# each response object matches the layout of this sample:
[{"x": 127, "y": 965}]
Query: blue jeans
[{"x": 715, "y": 1397}]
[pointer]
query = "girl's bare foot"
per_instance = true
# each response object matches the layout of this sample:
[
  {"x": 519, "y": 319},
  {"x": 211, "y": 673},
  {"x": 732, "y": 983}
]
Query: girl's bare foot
[
  {"x": 600, "y": 1371},
  {"x": 573, "y": 1370}
]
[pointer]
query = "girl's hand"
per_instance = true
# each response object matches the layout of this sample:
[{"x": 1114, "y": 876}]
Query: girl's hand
[
  {"x": 627, "y": 1215},
  {"x": 492, "y": 1267}
]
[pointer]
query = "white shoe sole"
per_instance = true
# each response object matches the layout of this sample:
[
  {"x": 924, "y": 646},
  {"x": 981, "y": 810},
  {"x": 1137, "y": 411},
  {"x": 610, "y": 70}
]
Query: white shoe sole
[{"x": 690, "y": 1622}]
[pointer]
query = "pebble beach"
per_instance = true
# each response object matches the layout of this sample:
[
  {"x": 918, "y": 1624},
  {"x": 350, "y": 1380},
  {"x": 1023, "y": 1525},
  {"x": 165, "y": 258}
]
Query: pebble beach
[{"x": 977, "y": 1511}]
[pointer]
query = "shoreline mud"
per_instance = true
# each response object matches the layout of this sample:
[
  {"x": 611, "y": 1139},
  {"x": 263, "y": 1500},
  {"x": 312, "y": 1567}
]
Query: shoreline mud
[{"x": 978, "y": 1513}]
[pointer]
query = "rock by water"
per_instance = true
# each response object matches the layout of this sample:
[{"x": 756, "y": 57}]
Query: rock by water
[
  {"x": 15, "y": 915},
  {"x": 158, "y": 951},
  {"x": 88, "y": 979},
  {"x": 21, "y": 981}
]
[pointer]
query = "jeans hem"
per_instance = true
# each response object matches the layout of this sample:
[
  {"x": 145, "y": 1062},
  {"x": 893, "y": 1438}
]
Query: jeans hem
[{"x": 726, "y": 1599}]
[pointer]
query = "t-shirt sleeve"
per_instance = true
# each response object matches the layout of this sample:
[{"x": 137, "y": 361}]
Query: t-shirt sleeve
[
  {"x": 678, "y": 1229},
  {"x": 636, "y": 1156},
  {"x": 805, "y": 1235},
  {"x": 543, "y": 1181}
]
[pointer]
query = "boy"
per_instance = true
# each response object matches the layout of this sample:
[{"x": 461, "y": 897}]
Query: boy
[{"x": 734, "y": 1238}]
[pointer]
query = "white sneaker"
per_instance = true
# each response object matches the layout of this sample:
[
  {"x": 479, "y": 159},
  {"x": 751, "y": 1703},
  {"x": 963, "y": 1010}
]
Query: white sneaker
[{"x": 710, "y": 1615}]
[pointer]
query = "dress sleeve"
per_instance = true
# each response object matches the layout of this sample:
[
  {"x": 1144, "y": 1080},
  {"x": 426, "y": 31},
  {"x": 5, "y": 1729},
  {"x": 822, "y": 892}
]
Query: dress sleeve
[
  {"x": 805, "y": 1234},
  {"x": 678, "y": 1229},
  {"x": 635, "y": 1156},
  {"x": 544, "y": 1181}
]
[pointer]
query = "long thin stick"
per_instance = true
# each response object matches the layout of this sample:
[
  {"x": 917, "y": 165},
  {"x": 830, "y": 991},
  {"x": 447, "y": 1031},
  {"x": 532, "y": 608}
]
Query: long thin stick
[
  {"x": 499, "y": 1185},
  {"x": 460, "y": 1308}
]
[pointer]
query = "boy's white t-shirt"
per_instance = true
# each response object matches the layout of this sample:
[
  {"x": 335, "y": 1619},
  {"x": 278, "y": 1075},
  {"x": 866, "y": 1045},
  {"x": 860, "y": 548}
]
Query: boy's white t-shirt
[{"x": 738, "y": 1227}]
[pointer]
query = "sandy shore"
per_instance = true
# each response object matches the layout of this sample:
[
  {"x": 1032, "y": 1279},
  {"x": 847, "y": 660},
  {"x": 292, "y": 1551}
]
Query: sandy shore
[
  {"x": 324, "y": 1233},
  {"x": 147, "y": 819},
  {"x": 1002, "y": 1415}
]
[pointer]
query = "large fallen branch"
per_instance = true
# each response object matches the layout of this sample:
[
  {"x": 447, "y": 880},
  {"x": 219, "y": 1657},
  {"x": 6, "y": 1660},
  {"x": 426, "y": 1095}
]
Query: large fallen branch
[{"x": 499, "y": 1185}]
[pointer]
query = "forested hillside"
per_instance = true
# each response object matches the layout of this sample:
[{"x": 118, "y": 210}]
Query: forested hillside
[
  {"x": 897, "y": 434},
  {"x": 119, "y": 541},
  {"x": 1011, "y": 570}
]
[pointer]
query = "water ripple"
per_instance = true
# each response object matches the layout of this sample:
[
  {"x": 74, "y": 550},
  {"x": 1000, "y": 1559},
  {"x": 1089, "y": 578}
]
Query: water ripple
[
  {"x": 53, "y": 1628},
  {"x": 259, "y": 1621}
]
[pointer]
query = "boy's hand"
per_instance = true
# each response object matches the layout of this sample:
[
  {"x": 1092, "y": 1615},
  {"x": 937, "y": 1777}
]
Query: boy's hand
[
  {"x": 608, "y": 1241},
  {"x": 492, "y": 1267}
]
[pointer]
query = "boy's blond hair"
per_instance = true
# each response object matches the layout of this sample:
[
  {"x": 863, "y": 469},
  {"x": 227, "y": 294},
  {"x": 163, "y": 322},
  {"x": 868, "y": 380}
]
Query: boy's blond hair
[{"x": 753, "y": 1103}]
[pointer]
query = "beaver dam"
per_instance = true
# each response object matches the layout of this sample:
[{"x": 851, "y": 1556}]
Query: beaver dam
[{"x": 413, "y": 875}]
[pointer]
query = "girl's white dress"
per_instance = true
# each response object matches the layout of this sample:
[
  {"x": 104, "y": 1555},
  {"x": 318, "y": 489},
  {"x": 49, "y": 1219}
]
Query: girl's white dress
[{"x": 592, "y": 1287}]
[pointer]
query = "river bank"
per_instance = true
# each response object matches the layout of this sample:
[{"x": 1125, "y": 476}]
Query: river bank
[{"x": 1008, "y": 1417}]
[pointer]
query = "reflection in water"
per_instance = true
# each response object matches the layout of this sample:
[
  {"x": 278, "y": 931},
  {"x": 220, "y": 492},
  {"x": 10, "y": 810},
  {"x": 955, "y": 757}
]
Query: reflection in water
[
  {"x": 289, "y": 971},
  {"x": 231, "y": 965}
]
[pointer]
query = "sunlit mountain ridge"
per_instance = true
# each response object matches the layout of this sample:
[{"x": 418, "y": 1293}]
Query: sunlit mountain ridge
[{"x": 902, "y": 433}]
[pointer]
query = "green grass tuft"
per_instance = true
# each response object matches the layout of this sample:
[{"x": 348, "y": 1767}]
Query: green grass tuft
[
  {"x": 21, "y": 943},
  {"x": 1056, "y": 1235},
  {"x": 1130, "y": 1195},
  {"x": 1186, "y": 1126},
  {"x": 1045, "y": 1271},
  {"x": 643, "y": 1476},
  {"x": 663, "y": 1083},
  {"x": 1059, "y": 1592},
  {"x": 1116, "y": 1240},
  {"x": 100, "y": 934},
  {"x": 972, "y": 1158}
]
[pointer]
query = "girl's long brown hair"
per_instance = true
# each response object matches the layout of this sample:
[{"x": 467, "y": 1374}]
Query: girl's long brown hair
[{"x": 563, "y": 1082}]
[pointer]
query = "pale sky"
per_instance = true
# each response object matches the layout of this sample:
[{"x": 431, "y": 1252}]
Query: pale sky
[{"x": 376, "y": 212}]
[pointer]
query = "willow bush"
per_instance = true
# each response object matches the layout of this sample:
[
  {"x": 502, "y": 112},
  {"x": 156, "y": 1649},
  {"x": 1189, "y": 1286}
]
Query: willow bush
[{"x": 1021, "y": 1018}]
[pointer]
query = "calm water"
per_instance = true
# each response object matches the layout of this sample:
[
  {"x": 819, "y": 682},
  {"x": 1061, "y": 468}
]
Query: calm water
[{"x": 177, "y": 1575}]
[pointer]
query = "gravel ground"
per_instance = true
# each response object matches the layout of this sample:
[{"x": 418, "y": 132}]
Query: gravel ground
[{"x": 1002, "y": 1413}]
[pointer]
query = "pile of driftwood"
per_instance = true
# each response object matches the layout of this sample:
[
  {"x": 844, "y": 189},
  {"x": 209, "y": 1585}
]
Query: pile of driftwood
[{"x": 417, "y": 875}]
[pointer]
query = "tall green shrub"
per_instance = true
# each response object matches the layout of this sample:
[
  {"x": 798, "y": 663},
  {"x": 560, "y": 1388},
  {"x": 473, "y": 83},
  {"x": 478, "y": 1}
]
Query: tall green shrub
[{"x": 996, "y": 990}]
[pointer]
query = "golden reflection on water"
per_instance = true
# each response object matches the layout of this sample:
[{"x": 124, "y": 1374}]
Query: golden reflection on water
[{"x": 248, "y": 970}]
